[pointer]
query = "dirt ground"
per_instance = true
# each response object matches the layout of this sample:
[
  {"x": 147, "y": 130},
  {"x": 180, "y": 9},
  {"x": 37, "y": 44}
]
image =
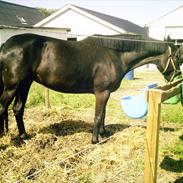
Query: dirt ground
[{"x": 60, "y": 150}]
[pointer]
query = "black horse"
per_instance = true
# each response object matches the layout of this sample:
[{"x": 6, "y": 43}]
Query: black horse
[
  {"x": 94, "y": 65},
  {"x": 179, "y": 55}
]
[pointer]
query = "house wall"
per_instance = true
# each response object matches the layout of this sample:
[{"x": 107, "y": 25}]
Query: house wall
[
  {"x": 175, "y": 32},
  {"x": 162, "y": 32},
  {"x": 170, "y": 24},
  {"x": 6, "y": 33},
  {"x": 79, "y": 24},
  {"x": 157, "y": 32}
]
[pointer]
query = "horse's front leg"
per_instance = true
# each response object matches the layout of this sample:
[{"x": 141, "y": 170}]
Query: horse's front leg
[
  {"x": 103, "y": 132},
  {"x": 101, "y": 101}
]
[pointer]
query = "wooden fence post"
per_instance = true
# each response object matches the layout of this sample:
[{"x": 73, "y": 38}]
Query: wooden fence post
[
  {"x": 152, "y": 136},
  {"x": 155, "y": 98}
]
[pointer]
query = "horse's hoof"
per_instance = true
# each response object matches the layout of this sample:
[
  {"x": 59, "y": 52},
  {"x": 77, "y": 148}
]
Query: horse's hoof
[
  {"x": 105, "y": 133},
  {"x": 24, "y": 136},
  {"x": 1, "y": 133},
  {"x": 95, "y": 141}
]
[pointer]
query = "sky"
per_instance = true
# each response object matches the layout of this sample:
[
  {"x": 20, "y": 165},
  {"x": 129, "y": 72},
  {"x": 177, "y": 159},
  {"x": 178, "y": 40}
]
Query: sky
[{"x": 140, "y": 12}]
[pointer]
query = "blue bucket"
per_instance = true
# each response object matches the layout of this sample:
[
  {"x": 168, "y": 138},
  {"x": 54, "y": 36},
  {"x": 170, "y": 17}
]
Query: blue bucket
[
  {"x": 136, "y": 106},
  {"x": 129, "y": 75}
]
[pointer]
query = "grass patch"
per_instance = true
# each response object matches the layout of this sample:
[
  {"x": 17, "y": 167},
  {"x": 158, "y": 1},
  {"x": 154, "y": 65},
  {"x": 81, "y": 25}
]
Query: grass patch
[
  {"x": 172, "y": 113},
  {"x": 36, "y": 98},
  {"x": 176, "y": 149}
]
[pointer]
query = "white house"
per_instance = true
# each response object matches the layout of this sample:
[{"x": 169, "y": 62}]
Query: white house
[
  {"x": 168, "y": 24},
  {"x": 83, "y": 22},
  {"x": 16, "y": 19}
]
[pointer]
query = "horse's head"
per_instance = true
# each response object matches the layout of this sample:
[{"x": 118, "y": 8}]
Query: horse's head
[
  {"x": 169, "y": 65},
  {"x": 179, "y": 55}
]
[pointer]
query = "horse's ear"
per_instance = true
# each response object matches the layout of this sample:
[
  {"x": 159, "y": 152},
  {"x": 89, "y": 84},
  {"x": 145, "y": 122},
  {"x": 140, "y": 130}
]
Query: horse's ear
[
  {"x": 171, "y": 43},
  {"x": 168, "y": 39}
]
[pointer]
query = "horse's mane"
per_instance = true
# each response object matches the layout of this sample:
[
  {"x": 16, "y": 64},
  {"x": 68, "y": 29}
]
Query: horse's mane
[{"x": 129, "y": 42}]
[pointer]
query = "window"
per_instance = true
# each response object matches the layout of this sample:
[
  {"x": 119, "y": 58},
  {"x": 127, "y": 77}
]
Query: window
[{"x": 21, "y": 19}]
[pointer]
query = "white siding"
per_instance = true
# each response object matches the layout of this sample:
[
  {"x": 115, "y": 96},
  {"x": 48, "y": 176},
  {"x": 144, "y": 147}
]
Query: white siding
[
  {"x": 79, "y": 24},
  {"x": 157, "y": 32},
  {"x": 170, "y": 24},
  {"x": 174, "y": 32},
  {"x": 7, "y": 33}
]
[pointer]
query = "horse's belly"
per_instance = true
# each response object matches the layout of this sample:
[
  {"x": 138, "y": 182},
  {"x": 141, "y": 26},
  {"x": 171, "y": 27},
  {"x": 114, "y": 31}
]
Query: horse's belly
[{"x": 65, "y": 85}]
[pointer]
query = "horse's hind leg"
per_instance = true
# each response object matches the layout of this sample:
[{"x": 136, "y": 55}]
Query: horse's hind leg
[
  {"x": 1, "y": 125},
  {"x": 4, "y": 122},
  {"x": 5, "y": 100},
  {"x": 5, "y": 116},
  {"x": 19, "y": 106}
]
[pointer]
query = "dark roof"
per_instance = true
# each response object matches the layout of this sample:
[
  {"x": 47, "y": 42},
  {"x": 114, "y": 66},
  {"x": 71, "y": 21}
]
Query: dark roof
[
  {"x": 121, "y": 23},
  {"x": 18, "y": 15}
]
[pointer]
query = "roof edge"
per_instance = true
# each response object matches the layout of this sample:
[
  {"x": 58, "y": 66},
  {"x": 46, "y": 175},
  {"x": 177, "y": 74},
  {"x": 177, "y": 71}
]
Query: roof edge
[
  {"x": 6, "y": 2},
  {"x": 82, "y": 12},
  {"x": 42, "y": 28},
  {"x": 58, "y": 12},
  {"x": 161, "y": 17}
]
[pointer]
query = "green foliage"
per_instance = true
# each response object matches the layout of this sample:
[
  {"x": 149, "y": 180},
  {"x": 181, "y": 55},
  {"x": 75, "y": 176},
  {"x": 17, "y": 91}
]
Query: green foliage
[{"x": 46, "y": 12}]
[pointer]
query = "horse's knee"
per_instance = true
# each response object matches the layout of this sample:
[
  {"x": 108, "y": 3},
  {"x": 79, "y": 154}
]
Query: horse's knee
[
  {"x": 17, "y": 108},
  {"x": 2, "y": 109}
]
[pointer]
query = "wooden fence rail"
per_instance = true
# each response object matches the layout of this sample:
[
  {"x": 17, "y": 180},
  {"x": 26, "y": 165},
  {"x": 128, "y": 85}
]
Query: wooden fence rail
[{"x": 155, "y": 98}]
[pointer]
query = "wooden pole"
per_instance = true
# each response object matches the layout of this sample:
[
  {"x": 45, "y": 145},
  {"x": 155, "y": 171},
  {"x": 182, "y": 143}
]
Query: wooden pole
[
  {"x": 47, "y": 98},
  {"x": 155, "y": 98},
  {"x": 152, "y": 136}
]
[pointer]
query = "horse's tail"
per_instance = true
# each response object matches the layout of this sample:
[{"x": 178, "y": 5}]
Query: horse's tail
[
  {"x": 1, "y": 47},
  {"x": 1, "y": 65},
  {"x": 4, "y": 123}
]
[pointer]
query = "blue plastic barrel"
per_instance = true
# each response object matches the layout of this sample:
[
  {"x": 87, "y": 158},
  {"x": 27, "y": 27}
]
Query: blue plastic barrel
[{"x": 129, "y": 75}]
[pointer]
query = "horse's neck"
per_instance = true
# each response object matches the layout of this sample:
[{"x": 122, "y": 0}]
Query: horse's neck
[
  {"x": 133, "y": 60},
  {"x": 149, "y": 60}
]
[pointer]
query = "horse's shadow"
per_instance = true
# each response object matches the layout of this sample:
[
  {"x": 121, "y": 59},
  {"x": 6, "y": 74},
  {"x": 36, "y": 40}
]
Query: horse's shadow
[
  {"x": 179, "y": 180},
  {"x": 172, "y": 165},
  {"x": 70, "y": 127}
]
